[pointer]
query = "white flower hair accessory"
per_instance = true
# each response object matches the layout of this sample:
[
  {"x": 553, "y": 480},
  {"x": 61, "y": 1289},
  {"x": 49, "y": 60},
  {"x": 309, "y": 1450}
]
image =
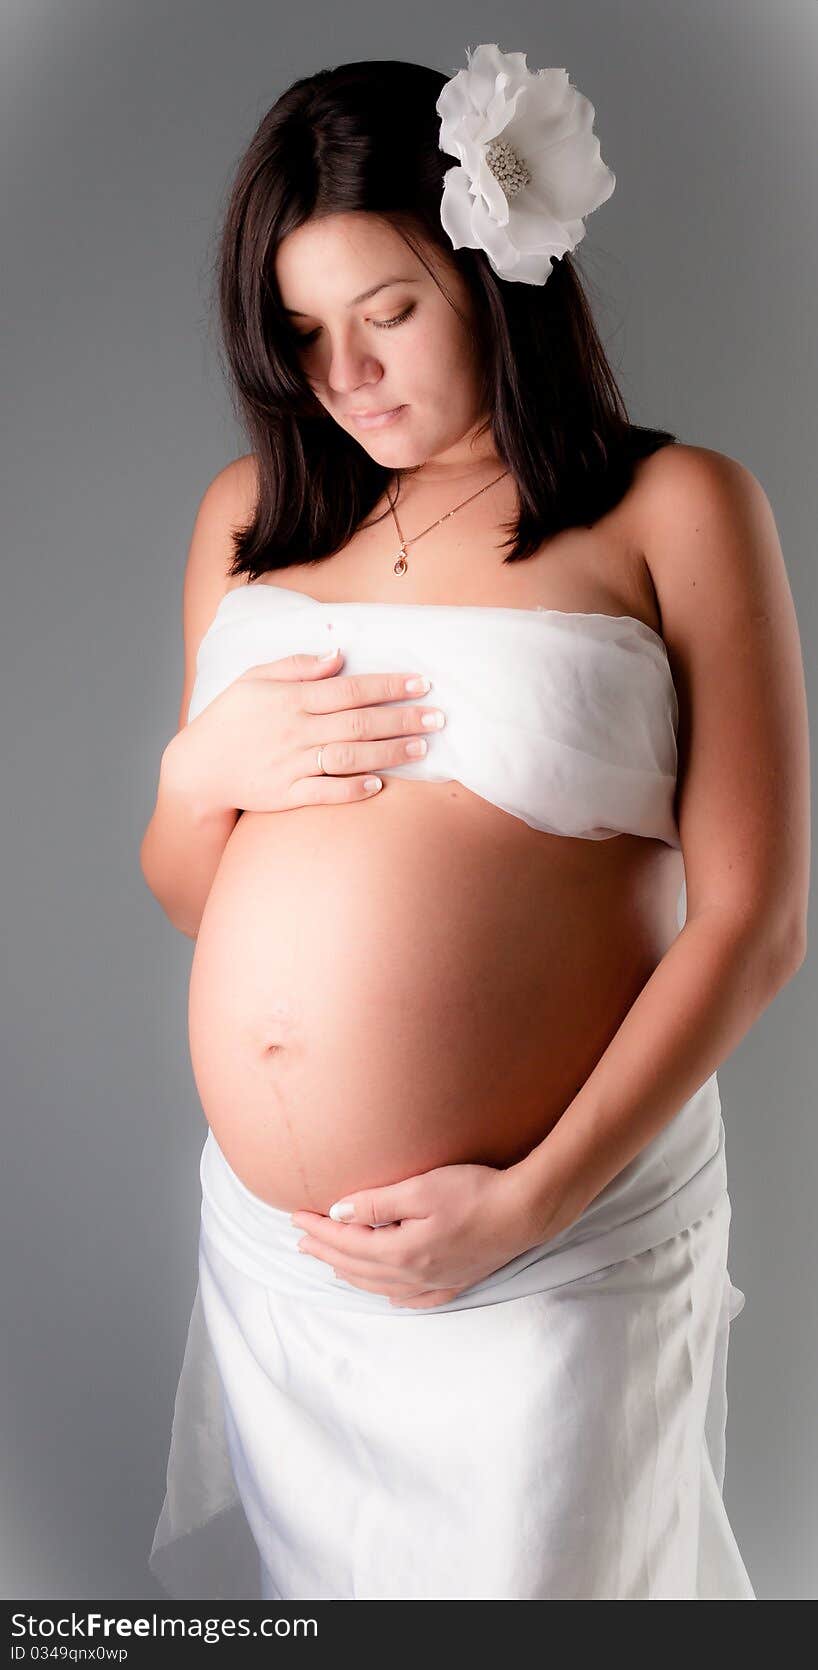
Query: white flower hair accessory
[{"x": 530, "y": 164}]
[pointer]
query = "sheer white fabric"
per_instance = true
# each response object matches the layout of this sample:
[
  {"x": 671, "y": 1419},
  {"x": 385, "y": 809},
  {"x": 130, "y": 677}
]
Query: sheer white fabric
[
  {"x": 561, "y": 1438},
  {"x": 567, "y": 721}
]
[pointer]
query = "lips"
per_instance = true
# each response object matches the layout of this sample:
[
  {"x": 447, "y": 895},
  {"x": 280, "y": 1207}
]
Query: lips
[{"x": 380, "y": 419}]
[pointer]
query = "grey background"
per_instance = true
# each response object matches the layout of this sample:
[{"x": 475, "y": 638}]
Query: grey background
[{"x": 120, "y": 124}]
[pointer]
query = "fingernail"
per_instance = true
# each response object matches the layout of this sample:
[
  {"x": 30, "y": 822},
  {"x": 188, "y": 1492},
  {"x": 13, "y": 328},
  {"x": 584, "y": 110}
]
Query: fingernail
[
  {"x": 330, "y": 655},
  {"x": 342, "y": 1211}
]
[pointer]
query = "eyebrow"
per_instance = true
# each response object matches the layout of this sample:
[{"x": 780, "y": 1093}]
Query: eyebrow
[{"x": 364, "y": 296}]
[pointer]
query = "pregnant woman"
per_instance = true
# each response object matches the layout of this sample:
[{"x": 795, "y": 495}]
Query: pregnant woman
[{"x": 487, "y": 812}]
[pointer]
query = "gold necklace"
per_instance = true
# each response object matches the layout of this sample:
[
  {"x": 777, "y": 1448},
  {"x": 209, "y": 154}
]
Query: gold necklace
[{"x": 401, "y": 565}]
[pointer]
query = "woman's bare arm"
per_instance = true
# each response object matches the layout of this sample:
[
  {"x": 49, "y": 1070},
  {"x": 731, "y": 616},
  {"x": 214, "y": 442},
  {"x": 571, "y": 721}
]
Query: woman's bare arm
[
  {"x": 181, "y": 852},
  {"x": 744, "y": 821},
  {"x": 183, "y": 843}
]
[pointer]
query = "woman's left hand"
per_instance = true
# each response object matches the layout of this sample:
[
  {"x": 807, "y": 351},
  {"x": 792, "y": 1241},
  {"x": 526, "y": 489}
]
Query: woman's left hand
[{"x": 420, "y": 1242}]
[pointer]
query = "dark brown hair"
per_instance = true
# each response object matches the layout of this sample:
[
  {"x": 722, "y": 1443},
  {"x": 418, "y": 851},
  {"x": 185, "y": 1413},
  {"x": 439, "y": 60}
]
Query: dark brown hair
[{"x": 365, "y": 137}]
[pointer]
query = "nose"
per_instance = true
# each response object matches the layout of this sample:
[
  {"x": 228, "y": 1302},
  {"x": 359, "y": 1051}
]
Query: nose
[{"x": 350, "y": 367}]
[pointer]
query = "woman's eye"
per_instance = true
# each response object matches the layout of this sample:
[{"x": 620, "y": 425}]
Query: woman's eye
[
  {"x": 386, "y": 324},
  {"x": 380, "y": 324}
]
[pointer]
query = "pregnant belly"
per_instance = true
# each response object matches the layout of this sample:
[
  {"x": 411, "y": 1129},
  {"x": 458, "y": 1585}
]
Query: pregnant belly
[{"x": 413, "y": 981}]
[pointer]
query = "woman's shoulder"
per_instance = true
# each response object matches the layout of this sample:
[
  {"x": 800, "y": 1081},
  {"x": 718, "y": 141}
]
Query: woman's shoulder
[
  {"x": 689, "y": 473},
  {"x": 228, "y": 503},
  {"x": 240, "y": 478},
  {"x": 682, "y": 490},
  {"x": 707, "y": 533}
]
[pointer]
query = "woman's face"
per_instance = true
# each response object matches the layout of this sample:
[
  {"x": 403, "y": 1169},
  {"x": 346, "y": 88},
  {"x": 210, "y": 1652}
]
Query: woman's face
[{"x": 403, "y": 346}]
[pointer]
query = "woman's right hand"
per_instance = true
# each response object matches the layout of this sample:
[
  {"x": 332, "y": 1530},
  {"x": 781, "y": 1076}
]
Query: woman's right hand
[{"x": 254, "y": 748}]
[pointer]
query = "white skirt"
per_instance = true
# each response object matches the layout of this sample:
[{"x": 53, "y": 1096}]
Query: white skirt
[{"x": 556, "y": 1432}]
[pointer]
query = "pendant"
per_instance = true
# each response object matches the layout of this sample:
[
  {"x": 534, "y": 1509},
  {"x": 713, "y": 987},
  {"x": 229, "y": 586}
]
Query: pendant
[{"x": 401, "y": 565}]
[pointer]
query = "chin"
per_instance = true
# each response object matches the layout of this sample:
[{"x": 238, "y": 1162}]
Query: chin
[{"x": 398, "y": 457}]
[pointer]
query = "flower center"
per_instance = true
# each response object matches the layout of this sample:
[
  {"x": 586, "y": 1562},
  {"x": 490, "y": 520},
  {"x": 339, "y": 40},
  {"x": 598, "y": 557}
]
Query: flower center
[{"x": 507, "y": 166}]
